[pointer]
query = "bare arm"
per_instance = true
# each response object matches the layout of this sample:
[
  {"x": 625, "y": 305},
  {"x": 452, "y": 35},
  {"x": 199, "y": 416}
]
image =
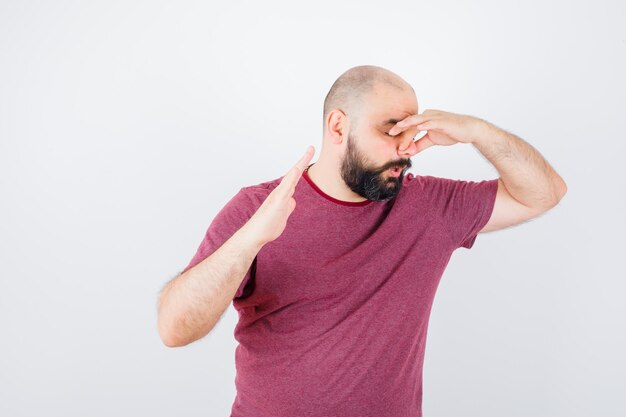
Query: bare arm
[
  {"x": 528, "y": 185},
  {"x": 526, "y": 175},
  {"x": 192, "y": 303}
]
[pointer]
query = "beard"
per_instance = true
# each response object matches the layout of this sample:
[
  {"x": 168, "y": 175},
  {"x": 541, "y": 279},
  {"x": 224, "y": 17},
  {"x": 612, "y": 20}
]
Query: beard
[{"x": 371, "y": 183}]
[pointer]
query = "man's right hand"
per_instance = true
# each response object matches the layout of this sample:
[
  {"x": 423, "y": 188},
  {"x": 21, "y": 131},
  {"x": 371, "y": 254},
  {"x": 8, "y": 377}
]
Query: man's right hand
[{"x": 270, "y": 219}]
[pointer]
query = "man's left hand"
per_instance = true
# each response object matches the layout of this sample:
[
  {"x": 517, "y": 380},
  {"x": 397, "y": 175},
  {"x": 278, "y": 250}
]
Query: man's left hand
[{"x": 443, "y": 128}]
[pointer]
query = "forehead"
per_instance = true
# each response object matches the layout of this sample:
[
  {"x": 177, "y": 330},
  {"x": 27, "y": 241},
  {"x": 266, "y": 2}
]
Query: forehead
[
  {"x": 388, "y": 106},
  {"x": 389, "y": 118}
]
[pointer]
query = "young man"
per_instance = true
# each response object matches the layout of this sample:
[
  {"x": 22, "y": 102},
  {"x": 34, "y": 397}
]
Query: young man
[{"x": 334, "y": 275}]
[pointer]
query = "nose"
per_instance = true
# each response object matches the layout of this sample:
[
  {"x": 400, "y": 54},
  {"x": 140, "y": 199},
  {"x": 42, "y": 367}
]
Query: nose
[{"x": 407, "y": 147}]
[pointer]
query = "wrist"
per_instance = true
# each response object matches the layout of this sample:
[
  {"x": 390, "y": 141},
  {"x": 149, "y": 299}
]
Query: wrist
[
  {"x": 483, "y": 133},
  {"x": 250, "y": 237}
]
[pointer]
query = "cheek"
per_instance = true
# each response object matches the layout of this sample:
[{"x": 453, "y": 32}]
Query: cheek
[
  {"x": 384, "y": 153},
  {"x": 379, "y": 149},
  {"x": 376, "y": 149}
]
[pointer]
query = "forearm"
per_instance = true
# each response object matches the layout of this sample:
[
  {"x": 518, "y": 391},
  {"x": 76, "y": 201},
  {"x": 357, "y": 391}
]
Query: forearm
[
  {"x": 528, "y": 177},
  {"x": 192, "y": 303}
]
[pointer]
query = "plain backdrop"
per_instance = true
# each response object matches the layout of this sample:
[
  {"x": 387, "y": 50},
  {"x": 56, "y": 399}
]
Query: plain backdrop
[{"x": 125, "y": 126}]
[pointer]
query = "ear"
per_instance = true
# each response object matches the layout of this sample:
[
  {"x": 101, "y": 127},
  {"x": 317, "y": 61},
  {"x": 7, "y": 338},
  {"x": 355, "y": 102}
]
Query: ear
[{"x": 338, "y": 125}]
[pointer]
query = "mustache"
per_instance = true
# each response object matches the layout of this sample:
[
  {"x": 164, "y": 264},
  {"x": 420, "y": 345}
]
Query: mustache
[{"x": 397, "y": 164}]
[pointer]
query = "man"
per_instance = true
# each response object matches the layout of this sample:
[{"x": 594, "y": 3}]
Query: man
[{"x": 334, "y": 276}]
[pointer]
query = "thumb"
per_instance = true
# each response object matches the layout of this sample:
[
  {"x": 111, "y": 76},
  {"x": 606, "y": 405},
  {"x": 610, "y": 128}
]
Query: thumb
[{"x": 423, "y": 143}]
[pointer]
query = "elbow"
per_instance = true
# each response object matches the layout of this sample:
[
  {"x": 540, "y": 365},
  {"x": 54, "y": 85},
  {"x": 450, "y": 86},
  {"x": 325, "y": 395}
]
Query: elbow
[
  {"x": 166, "y": 325},
  {"x": 562, "y": 190},
  {"x": 170, "y": 340},
  {"x": 167, "y": 337},
  {"x": 172, "y": 336},
  {"x": 167, "y": 332},
  {"x": 556, "y": 192},
  {"x": 172, "y": 343}
]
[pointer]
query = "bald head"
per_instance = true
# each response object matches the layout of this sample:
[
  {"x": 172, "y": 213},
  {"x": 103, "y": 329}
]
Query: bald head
[{"x": 351, "y": 89}]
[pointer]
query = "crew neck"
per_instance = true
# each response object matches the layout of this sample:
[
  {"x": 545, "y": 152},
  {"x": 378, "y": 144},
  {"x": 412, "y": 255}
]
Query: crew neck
[{"x": 326, "y": 196}]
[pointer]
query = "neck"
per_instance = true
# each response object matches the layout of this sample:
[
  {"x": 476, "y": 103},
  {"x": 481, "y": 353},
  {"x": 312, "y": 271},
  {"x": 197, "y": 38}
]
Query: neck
[{"x": 327, "y": 177}]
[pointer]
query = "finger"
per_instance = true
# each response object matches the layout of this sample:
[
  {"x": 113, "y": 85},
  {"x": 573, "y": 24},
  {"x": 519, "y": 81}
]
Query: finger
[
  {"x": 300, "y": 167},
  {"x": 427, "y": 125},
  {"x": 408, "y": 122},
  {"x": 423, "y": 143},
  {"x": 306, "y": 158},
  {"x": 289, "y": 181}
]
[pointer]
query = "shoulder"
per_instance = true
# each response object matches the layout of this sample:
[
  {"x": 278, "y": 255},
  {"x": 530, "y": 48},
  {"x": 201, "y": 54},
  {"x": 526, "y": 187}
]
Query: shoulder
[
  {"x": 441, "y": 184},
  {"x": 425, "y": 183},
  {"x": 412, "y": 180},
  {"x": 262, "y": 187},
  {"x": 255, "y": 194},
  {"x": 421, "y": 193},
  {"x": 443, "y": 193}
]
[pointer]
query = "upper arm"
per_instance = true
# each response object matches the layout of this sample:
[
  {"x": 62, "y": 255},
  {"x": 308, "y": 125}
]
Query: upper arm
[{"x": 507, "y": 211}]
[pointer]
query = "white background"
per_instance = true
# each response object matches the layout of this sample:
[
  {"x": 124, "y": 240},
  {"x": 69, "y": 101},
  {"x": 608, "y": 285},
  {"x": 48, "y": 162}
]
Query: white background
[{"x": 126, "y": 125}]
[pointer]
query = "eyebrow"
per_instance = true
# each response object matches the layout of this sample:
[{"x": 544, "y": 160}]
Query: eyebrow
[{"x": 390, "y": 122}]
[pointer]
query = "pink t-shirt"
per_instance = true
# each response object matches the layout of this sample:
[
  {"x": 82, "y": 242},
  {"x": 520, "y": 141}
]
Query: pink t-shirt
[{"x": 333, "y": 314}]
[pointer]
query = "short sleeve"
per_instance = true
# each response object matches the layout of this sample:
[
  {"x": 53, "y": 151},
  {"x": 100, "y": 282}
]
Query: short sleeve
[
  {"x": 228, "y": 220},
  {"x": 466, "y": 208}
]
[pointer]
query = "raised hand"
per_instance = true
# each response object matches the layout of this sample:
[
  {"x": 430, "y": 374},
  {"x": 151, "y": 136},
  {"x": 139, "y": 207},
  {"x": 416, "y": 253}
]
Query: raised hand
[
  {"x": 444, "y": 128},
  {"x": 270, "y": 219}
]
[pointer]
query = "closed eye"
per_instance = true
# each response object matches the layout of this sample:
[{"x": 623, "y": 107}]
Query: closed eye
[
  {"x": 396, "y": 135},
  {"x": 393, "y": 136}
]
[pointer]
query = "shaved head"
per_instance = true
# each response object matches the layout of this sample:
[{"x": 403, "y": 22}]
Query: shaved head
[
  {"x": 360, "y": 108},
  {"x": 351, "y": 89},
  {"x": 359, "y": 157}
]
